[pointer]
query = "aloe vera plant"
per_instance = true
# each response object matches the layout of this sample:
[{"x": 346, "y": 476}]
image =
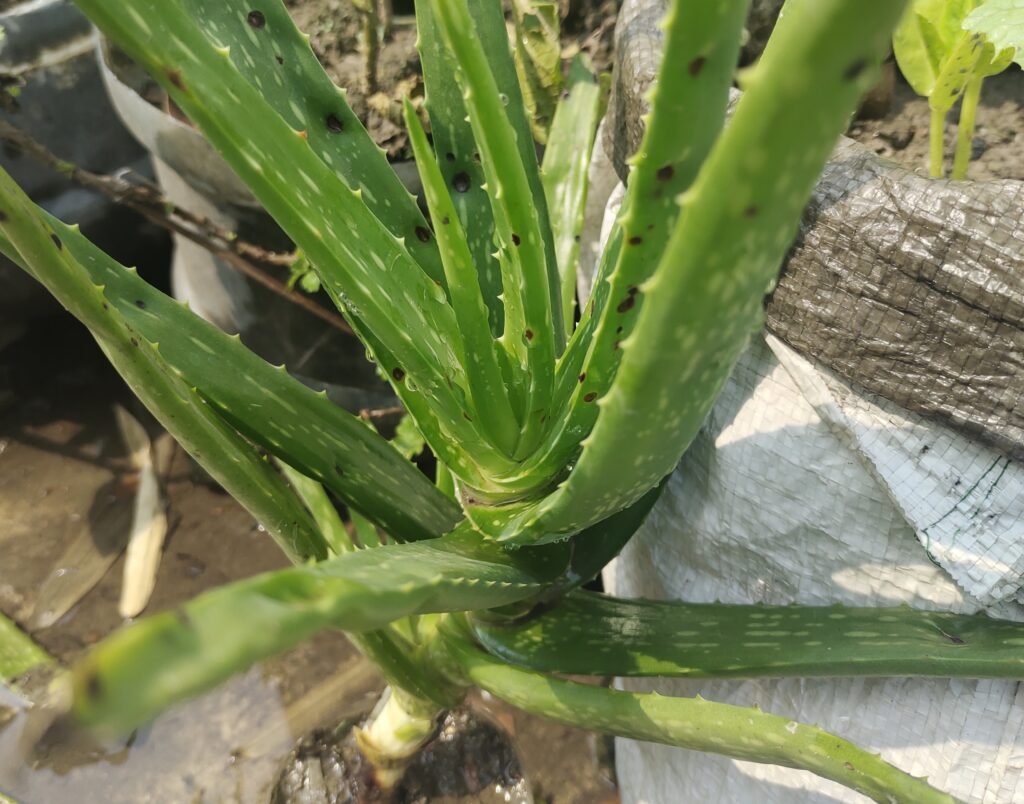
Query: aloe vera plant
[{"x": 552, "y": 439}]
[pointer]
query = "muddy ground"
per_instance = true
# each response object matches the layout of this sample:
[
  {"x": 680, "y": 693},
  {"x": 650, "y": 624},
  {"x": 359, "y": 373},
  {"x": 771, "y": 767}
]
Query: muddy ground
[{"x": 998, "y": 146}]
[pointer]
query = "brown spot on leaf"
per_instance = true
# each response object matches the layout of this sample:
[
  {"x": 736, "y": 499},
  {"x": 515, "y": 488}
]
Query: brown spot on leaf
[
  {"x": 751, "y": 211},
  {"x": 855, "y": 69},
  {"x": 666, "y": 173},
  {"x": 460, "y": 181},
  {"x": 257, "y": 19},
  {"x": 590, "y": 397},
  {"x": 515, "y": 239},
  {"x": 174, "y": 76},
  {"x": 635, "y": 240},
  {"x": 583, "y": 376},
  {"x": 3, "y": 216},
  {"x": 398, "y": 374},
  {"x": 140, "y": 304},
  {"x": 697, "y": 65},
  {"x": 280, "y": 59},
  {"x": 56, "y": 242},
  {"x": 445, "y": 220},
  {"x": 93, "y": 685},
  {"x": 450, "y": 156},
  {"x": 529, "y": 334},
  {"x": 423, "y": 234},
  {"x": 335, "y": 124}
]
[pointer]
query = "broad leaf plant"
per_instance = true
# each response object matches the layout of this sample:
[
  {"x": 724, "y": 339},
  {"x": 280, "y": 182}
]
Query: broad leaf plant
[{"x": 553, "y": 427}]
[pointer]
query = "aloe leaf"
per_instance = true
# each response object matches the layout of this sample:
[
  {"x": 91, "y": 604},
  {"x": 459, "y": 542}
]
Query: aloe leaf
[
  {"x": 301, "y": 427},
  {"x": 397, "y": 308},
  {"x": 564, "y": 174},
  {"x": 144, "y": 668},
  {"x": 457, "y": 155},
  {"x": 695, "y": 314},
  {"x": 533, "y": 328},
  {"x": 491, "y": 403},
  {"x": 320, "y": 507},
  {"x": 538, "y": 59},
  {"x": 1002, "y": 24},
  {"x": 687, "y": 113},
  {"x": 18, "y": 653},
  {"x": 734, "y": 731},
  {"x": 276, "y": 57},
  {"x": 591, "y": 634},
  {"x": 232, "y": 462}
]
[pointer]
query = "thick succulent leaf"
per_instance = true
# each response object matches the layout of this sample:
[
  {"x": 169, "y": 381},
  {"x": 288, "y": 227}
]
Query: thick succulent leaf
[
  {"x": 18, "y": 653},
  {"x": 538, "y": 60},
  {"x": 491, "y": 405},
  {"x": 564, "y": 174},
  {"x": 590, "y": 634},
  {"x": 734, "y": 731},
  {"x": 687, "y": 113},
  {"x": 533, "y": 329},
  {"x": 694, "y": 316},
  {"x": 395, "y": 306},
  {"x": 229, "y": 459},
  {"x": 1001, "y": 22},
  {"x": 456, "y": 151},
  {"x": 321, "y": 508},
  {"x": 276, "y": 58},
  {"x": 299, "y": 426},
  {"x": 144, "y": 668}
]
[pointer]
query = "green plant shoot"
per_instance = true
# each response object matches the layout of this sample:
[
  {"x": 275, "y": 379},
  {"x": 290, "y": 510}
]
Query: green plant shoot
[{"x": 944, "y": 51}]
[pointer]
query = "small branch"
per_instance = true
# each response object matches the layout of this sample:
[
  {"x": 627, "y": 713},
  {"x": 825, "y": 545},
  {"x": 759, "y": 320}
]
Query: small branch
[
  {"x": 374, "y": 414},
  {"x": 154, "y": 206}
]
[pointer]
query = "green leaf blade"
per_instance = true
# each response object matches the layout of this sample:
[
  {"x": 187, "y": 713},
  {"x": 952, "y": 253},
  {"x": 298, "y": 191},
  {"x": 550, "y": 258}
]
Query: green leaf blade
[
  {"x": 696, "y": 724},
  {"x": 1001, "y": 22},
  {"x": 146, "y": 667},
  {"x": 595, "y": 635},
  {"x": 399, "y": 311},
  {"x": 230, "y": 460},
  {"x": 704, "y": 300},
  {"x": 565, "y": 174},
  {"x": 277, "y": 412}
]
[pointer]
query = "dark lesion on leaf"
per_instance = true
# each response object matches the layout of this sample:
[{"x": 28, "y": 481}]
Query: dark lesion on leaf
[
  {"x": 697, "y": 65},
  {"x": 398, "y": 374},
  {"x": 590, "y": 397},
  {"x": 174, "y": 76},
  {"x": 422, "y": 234},
  {"x": 852, "y": 72},
  {"x": 93, "y": 685},
  {"x": 460, "y": 181},
  {"x": 629, "y": 302},
  {"x": 665, "y": 173},
  {"x": 335, "y": 124},
  {"x": 56, "y": 242},
  {"x": 257, "y": 19}
]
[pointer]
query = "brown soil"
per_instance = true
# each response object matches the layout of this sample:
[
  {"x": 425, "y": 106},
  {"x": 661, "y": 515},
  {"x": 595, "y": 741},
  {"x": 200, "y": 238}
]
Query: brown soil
[
  {"x": 998, "y": 149},
  {"x": 334, "y": 28}
]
